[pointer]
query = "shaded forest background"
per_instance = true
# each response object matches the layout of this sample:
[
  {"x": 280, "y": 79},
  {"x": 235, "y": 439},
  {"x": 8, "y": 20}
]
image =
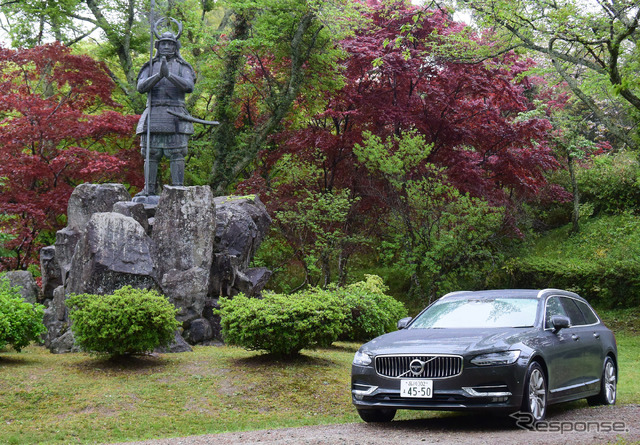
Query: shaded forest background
[{"x": 384, "y": 137}]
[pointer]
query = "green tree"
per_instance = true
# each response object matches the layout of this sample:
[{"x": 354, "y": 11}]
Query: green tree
[
  {"x": 434, "y": 231},
  {"x": 316, "y": 229},
  {"x": 592, "y": 46},
  {"x": 276, "y": 52}
]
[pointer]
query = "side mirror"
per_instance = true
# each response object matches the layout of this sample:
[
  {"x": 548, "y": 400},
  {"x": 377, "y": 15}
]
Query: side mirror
[
  {"x": 402, "y": 323},
  {"x": 560, "y": 322}
]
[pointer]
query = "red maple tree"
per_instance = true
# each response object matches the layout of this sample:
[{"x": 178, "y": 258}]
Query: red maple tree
[
  {"x": 58, "y": 128},
  {"x": 403, "y": 75},
  {"x": 398, "y": 80}
]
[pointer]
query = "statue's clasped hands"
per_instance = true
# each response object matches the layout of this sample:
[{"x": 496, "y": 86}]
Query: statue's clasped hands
[{"x": 164, "y": 68}]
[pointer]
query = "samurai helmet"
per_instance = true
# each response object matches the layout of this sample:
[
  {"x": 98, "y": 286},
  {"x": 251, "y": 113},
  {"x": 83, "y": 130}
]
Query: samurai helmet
[{"x": 167, "y": 35}]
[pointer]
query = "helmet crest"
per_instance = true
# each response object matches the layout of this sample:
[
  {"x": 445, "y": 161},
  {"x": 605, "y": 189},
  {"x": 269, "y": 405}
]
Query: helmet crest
[{"x": 167, "y": 35}]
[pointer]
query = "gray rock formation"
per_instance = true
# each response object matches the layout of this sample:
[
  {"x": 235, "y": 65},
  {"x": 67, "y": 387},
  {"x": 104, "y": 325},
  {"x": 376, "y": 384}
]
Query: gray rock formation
[
  {"x": 88, "y": 199},
  {"x": 27, "y": 285},
  {"x": 241, "y": 225},
  {"x": 135, "y": 210},
  {"x": 183, "y": 236},
  {"x": 50, "y": 271},
  {"x": 182, "y": 229},
  {"x": 199, "y": 249},
  {"x": 85, "y": 200},
  {"x": 56, "y": 317},
  {"x": 114, "y": 251}
]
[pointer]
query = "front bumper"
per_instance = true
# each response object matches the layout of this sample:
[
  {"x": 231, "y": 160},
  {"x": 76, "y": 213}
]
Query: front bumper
[{"x": 496, "y": 388}]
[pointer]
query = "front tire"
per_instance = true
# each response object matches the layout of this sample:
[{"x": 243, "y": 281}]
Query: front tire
[
  {"x": 535, "y": 392},
  {"x": 377, "y": 415},
  {"x": 608, "y": 385}
]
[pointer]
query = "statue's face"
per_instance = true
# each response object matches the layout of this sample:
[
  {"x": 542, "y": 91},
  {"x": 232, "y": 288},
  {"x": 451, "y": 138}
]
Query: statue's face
[{"x": 166, "y": 48}]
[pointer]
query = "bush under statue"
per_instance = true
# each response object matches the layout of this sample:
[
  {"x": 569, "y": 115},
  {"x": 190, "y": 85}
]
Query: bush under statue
[{"x": 191, "y": 247}]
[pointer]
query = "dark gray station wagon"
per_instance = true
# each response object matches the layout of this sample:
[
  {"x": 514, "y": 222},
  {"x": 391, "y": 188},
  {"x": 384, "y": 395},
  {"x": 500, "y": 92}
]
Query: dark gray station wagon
[{"x": 499, "y": 350}]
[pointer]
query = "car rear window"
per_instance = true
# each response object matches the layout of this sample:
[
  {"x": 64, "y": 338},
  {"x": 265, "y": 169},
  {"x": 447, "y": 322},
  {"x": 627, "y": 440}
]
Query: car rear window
[{"x": 479, "y": 313}]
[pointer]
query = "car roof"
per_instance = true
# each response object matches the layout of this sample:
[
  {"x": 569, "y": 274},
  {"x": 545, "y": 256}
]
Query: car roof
[{"x": 510, "y": 293}]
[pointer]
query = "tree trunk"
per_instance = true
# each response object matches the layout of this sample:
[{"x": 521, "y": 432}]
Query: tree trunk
[{"x": 575, "y": 215}]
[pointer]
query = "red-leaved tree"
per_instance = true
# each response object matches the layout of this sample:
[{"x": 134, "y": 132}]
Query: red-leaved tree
[
  {"x": 58, "y": 128},
  {"x": 402, "y": 77}
]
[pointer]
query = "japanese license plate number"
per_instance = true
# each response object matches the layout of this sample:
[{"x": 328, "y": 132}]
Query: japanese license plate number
[{"x": 422, "y": 389}]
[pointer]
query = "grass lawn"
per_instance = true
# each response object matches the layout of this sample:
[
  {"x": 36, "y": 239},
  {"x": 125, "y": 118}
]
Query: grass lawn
[{"x": 46, "y": 398}]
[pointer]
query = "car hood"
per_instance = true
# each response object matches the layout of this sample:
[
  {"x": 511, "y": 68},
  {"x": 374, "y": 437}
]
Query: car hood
[{"x": 446, "y": 341}]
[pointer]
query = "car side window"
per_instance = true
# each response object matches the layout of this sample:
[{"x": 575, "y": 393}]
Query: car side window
[
  {"x": 554, "y": 307},
  {"x": 589, "y": 316},
  {"x": 574, "y": 312}
]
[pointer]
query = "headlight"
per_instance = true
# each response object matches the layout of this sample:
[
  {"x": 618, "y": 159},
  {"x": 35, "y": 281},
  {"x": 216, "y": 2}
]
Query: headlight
[
  {"x": 361, "y": 359},
  {"x": 496, "y": 358}
]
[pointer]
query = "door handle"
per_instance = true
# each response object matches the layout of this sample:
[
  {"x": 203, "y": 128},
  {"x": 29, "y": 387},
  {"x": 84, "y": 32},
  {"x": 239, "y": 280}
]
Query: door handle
[
  {"x": 575, "y": 337},
  {"x": 596, "y": 335}
]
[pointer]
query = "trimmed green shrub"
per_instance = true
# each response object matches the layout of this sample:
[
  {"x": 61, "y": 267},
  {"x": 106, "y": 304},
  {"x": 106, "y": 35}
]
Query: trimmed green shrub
[
  {"x": 130, "y": 321},
  {"x": 282, "y": 324},
  {"x": 20, "y": 322},
  {"x": 370, "y": 312}
]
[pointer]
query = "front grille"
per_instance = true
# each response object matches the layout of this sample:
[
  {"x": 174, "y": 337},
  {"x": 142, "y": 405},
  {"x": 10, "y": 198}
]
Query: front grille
[{"x": 435, "y": 366}]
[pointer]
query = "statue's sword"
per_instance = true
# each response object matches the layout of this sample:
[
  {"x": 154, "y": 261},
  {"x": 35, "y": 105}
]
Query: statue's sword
[{"x": 189, "y": 118}]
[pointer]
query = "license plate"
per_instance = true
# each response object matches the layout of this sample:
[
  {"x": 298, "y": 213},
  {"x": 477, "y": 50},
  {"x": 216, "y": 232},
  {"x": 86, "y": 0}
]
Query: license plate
[{"x": 422, "y": 389}]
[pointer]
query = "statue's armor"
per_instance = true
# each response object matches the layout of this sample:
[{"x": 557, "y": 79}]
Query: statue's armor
[
  {"x": 165, "y": 96},
  {"x": 169, "y": 134}
]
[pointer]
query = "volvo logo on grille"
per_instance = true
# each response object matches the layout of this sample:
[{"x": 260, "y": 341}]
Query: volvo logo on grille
[{"x": 416, "y": 367}]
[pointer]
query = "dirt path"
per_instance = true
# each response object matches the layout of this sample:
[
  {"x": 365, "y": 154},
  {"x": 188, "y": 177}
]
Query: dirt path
[{"x": 579, "y": 426}]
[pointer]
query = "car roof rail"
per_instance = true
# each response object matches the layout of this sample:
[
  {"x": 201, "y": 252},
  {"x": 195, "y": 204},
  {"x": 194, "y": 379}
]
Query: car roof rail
[{"x": 551, "y": 290}]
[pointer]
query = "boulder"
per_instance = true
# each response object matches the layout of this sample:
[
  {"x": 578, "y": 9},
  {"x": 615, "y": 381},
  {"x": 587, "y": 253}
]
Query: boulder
[
  {"x": 242, "y": 222},
  {"x": 88, "y": 199},
  {"x": 56, "y": 316},
  {"x": 64, "y": 343},
  {"x": 182, "y": 229},
  {"x": 187, "y": 290},
  {"x": 178, "y": 345},
  {"x": 65, "y": 247},
  {"x": 199, "y": 332},
  {"x": 251, "y": 281},
  {"x": 27, "y": 285},
  {"x": 114, "y": 251},
  {"x": 50, "y": 270},
  {"x": 135, "y": 210}
]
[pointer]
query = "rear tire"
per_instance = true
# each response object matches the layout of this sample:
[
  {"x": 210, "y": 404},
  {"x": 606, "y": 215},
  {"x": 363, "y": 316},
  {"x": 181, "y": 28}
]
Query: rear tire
[
  {"x": 608, "y": 385},
  {"x": 534, "y": 401},
  {"x": 377, "y": 415}
]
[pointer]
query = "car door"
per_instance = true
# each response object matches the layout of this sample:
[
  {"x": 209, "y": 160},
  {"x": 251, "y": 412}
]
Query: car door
[
  {"x": 584, "y": 324},
  {"x": 561, "y": 354}
]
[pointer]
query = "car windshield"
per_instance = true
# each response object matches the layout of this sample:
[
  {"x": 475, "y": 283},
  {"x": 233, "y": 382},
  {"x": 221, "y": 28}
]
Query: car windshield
[{"x": 478, "y": 313}]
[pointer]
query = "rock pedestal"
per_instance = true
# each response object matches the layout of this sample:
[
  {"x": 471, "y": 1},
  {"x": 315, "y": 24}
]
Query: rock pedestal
[{"x": 190, "y": 247}]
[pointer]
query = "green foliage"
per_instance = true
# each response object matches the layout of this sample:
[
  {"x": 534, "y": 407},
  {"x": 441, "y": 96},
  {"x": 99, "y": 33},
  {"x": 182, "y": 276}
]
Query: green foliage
[
  {"x": 129, "y": 321},
  {"x": 370, "y": 312},
  {"x": 612, "y": 183},
  {"x": 20, "y": 322},
  {"x": 436, "y": 235},
  {"x": 317, "y": 230},
  {"x": 282, "y": 324},
  {"x": 285, "y": 324},
  {"x": 601, "y": 262}
]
